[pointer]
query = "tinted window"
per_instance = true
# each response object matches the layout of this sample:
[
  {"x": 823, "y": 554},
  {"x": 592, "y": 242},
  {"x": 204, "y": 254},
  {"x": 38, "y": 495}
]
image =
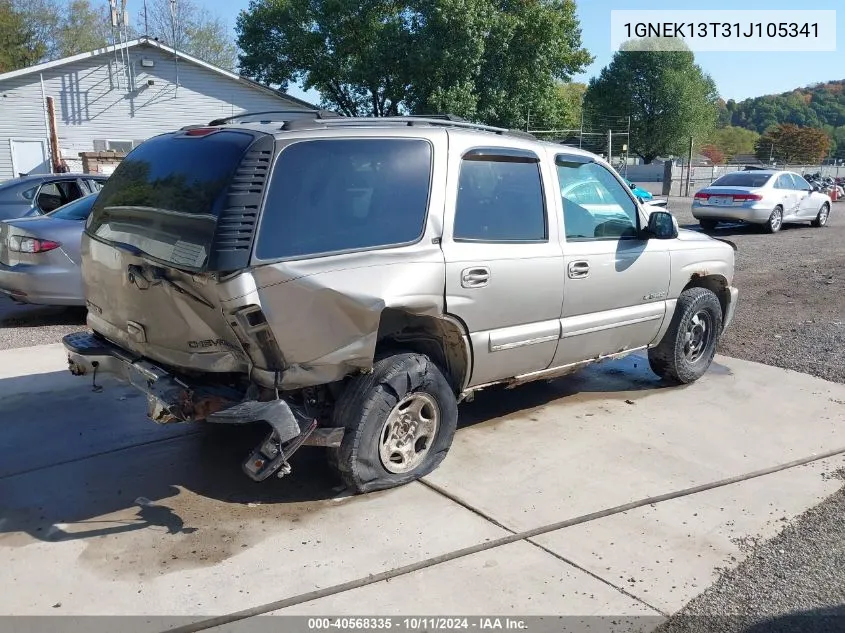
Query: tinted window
[
  {"x": 338, "y": 195},
  {"x": 500, "y": 201},
  {"x": 29, "y": 193},
  {"x": 76, "y": 210},
  {"x": 742, "y": 179},
  {"x": 162, "y": 197},
  {"x": 595, "y": 204},
  {"x": 95, "y": 185}
]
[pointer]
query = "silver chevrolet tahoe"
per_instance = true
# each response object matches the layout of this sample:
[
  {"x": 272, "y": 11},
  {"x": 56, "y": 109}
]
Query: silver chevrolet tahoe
[{"x": 349, "y": 281}]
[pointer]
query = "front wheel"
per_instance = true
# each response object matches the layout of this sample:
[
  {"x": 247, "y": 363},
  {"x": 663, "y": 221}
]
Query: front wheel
[
  {"x": 399, "y": 420},
  {"x": 821, "y": 218},
  {"x": 688, "y": 347}
]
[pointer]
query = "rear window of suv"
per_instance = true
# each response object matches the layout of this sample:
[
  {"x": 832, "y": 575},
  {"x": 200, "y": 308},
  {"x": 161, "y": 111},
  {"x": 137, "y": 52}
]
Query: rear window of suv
[
  {"x": 162, "y": 198},
  {"x": 336, "y": 195},
  {"x": 742, "y": 179}
]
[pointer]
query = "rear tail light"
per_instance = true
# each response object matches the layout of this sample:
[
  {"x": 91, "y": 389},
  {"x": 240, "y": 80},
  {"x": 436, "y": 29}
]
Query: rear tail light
[
  {"x": 701, "y": 196},
  {"x": 21, "y": 244},
  {"x": 746, "y": 197}
]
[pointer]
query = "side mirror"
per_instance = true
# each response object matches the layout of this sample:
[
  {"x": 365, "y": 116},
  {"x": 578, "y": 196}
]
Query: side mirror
[
  {"x": 662, "y": 225},
  {"x": 632, "y": 186}
]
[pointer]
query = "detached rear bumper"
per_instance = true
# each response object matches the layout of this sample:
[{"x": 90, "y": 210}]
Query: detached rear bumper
[
  {"x": 168, "y": 398},
  {"x": 171, "y": 399}
]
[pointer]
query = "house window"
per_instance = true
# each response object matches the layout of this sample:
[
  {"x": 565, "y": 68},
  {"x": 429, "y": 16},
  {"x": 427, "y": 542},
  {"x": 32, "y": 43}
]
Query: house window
[{"x": 115, "y": 145}]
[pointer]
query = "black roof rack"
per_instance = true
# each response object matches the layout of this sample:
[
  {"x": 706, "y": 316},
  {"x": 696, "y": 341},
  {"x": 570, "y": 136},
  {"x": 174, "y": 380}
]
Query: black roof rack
[
  {"x": 444, "y": 120},
  {"x": 317, "y": 114}
]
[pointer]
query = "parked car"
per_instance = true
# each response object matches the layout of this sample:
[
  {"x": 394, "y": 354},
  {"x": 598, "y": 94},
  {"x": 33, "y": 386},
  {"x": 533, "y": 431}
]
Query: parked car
[
  {"x": 350, "y": 281},
  {"x": 767, "y": 197},
  {"x": 40, "y": 256},
  {"x": 43, "y": 193},
  {"x": 641, "y": 194}
]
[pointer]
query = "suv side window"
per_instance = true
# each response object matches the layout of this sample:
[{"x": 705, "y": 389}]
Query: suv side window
[
  {"x": 500, "y": 198},
  {"x": 596, "y": 206},
  {"x": 337, "y": 195}
]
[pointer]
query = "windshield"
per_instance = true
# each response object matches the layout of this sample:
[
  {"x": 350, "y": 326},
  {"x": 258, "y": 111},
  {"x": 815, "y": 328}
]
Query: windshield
[
  {"x": 76, "y": 210},
  {"x": 163, "y": 198},
  {"x": 742, "y": 179}
]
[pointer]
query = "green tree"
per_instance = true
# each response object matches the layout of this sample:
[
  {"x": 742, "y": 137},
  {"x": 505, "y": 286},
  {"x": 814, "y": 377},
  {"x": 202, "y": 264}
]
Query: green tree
[
  {"x": 66, "y": 28},
  {"x": 486, "y": 60},
  {"x": 665, "y": 93},
  {"x": 733, "y": 140},
  {"x": 191, "y": 29},
  {"x": 788, "y": 143},
  {"x": 19, "y": 43}
]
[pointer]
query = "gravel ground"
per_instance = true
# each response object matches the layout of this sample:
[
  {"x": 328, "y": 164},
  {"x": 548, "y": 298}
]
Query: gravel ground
[
  {"x": 23, "y": 326},
  {"x": 793, "y": 582},
  {"x": 791, "y": 309}
]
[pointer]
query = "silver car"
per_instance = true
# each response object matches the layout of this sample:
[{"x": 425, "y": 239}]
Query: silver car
[
  {"x": 769, "y": 198},
  {"x": 349, "y": 281},
  {"x": 40, "y": 256}
]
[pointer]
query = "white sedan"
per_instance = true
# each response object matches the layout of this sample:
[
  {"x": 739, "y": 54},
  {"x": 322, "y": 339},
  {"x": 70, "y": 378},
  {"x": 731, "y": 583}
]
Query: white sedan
[{"x": 766, "y": 197}]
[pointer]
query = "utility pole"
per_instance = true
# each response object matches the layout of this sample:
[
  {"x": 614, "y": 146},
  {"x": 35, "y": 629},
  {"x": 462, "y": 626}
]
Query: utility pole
[
  {"x": 581, "y": 133},
  {"x": 689, "y": 165},
  {"x": 609, "y": 148}
]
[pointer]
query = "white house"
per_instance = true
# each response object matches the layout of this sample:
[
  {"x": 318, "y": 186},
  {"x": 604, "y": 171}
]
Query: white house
[{"x": 114, "y": 98}]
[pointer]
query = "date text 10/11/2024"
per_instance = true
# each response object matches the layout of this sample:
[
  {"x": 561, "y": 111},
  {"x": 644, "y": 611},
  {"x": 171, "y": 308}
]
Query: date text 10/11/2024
[
  {"x": 417, "y": 623},
  {"x": 725, "y": 30}
]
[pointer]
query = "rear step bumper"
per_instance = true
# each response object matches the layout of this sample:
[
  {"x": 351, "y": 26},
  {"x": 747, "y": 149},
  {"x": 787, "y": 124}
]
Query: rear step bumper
[{"x": 170, "y": 399}]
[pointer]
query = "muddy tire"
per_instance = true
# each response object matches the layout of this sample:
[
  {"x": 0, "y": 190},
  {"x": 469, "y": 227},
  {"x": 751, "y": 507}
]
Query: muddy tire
[
  {"x": 687, "y": 349},
  {"x": 775, "y": 221},
  {"x": 821, "y": 218},
  {"x": 708, "y": 225},
  {"x": 399, "y": 420}
]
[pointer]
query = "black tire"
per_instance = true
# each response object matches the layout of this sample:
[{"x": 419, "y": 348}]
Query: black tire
[
  {"x": 363, "y": 410},
  {"x": 708, "y": 225},
  {"x": 669, "y": 359},
  {"x": 775, "y": 221},
  {"x": 822, "y": 217}
]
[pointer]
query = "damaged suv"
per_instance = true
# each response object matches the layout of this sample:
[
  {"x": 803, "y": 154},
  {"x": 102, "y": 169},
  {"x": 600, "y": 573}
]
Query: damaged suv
[{"x": 349, "y": 281}]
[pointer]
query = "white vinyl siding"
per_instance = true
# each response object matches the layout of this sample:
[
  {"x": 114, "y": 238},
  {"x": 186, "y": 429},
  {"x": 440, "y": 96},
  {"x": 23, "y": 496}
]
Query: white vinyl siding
[{"x": 93, "y": 102}]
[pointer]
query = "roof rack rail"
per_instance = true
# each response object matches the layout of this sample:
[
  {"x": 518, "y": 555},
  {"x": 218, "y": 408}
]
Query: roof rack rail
[
  {"x": 444, "y": 120},
  {"x": 318, "y": 114}
]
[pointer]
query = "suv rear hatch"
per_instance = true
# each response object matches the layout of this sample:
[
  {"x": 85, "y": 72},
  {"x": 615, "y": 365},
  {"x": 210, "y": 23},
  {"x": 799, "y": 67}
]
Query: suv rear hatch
[{"x": 177, "y": 214}]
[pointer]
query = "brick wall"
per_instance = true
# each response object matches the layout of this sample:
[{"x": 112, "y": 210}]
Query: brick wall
[{"x": 100, "y": 162}]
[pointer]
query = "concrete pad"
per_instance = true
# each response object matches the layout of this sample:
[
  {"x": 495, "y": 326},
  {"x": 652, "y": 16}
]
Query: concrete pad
[
  {"x": 614, "y": 433},
  {"x": 22, "y": 370},
  {"x": 668, "y": 553},
  {"x": 517, "y": 579}
]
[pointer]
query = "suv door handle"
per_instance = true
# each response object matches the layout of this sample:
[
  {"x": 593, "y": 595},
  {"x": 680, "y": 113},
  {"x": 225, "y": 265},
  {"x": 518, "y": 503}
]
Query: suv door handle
[
  {"x": 475, "y": 277},
  {"x": 578, "y": 270}
]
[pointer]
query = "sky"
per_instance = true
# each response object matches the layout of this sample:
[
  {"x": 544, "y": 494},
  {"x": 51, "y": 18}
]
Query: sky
[{"x": 737, "y": 75}]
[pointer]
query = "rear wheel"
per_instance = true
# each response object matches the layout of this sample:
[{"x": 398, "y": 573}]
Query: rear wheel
[
  {"x": 708, "y": 225},
  {"x": 399, "y": 420},
  {"x": 775, "y": 221},
  {"x": 821, "y": 218},
  {"x": 688, "y": 347}
]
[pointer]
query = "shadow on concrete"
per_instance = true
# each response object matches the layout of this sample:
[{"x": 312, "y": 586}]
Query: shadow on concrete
[
  {"x": 20, "y": 315},
  {"x": 725, "y": 229},
  {"x": 71, "y": 457}
]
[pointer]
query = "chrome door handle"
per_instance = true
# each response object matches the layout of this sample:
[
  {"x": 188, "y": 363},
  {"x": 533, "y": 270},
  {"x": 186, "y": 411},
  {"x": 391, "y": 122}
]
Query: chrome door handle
[
  {"x": 475, "y": 277},
  {"x": 578, "y": 270}
]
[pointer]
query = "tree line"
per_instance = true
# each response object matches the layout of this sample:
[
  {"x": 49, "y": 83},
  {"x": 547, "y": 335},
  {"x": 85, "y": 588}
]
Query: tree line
[{"x": 34, "y": 31}]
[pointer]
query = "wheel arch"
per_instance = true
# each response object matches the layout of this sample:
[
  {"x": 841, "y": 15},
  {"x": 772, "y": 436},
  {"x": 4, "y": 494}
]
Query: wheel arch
[
  {"x": 716, "y": 283},
  {"x": 442, "y": 338}
]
